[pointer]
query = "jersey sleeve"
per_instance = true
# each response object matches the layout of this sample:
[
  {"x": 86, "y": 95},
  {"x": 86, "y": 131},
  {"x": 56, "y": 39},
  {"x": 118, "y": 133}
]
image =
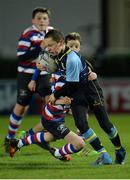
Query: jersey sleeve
[
  {"x": 35, "y": 75},
  {"x": 25, "y": 49}
]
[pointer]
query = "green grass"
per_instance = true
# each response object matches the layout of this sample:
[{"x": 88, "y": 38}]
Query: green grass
[{"x": 34, "y": 163}]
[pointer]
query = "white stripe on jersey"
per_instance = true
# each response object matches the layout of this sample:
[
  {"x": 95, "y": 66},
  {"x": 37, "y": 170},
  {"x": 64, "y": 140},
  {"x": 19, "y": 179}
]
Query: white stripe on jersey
[
  {"x": 36, "y": 38},
  {"x": 56, "y": 85},
  {"x": 24, "y": 43},
  {"x": 20, "y": 53},
  {"x": 56, "y": 76},
  {"x": 48, "y": 112},
  {"x": 59, "y": 107},
  {"x": 33, "y": 27},
  {"x": 59, "y": 84}
]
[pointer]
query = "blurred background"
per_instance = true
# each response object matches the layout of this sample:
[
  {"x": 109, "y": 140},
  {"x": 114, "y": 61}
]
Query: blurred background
[{"x": 105, "y": 29}]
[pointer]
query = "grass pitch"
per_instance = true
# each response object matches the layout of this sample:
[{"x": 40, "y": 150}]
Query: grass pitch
[{"x": 34, "y": 163}]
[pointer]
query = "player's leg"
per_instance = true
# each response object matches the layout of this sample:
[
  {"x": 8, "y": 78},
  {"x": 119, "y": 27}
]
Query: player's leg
[
  {"x": 55, "y": 129},
  {"x": 43, "y": 89},
  {"x": 112, "y": 133},
  {"x": 36, "y": 138},
  {"x": 79, "y": 114},
  {"x": 40, "y": 137},
  {"x": 60, "y": 131},
  {"x": 76, "y": 143},
  {"x": 37, "y": 128},
  {"x": 23, "y": 99},
  {"x": 96, "y": 102}
]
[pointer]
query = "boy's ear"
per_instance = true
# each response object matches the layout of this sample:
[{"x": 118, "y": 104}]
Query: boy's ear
[{"x": 61, "y": 41}]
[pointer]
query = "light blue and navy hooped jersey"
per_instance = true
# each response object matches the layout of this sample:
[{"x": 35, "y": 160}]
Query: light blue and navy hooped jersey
[
  {"x": 29, "y": 40},
  {"x": 73, "y": 67},
  {"x": 51, "y": 112}
]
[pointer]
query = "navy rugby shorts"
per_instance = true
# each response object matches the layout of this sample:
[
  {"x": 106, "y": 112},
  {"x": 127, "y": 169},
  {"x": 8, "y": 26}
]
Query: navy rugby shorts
[
  {"x": 58, "y": 129},
  {"x": 24, "y": 95}
]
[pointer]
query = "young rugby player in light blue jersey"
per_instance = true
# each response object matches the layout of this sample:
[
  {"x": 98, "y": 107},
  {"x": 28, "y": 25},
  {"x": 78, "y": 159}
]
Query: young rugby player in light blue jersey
[{"x": 84, "y": 92}]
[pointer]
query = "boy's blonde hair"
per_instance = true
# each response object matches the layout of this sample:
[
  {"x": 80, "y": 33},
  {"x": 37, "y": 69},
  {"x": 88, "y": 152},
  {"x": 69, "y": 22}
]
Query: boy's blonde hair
[{"x": 73, "y": 36}]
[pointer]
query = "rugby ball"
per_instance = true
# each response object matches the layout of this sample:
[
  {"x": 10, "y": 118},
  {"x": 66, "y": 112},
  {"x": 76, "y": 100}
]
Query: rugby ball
[{"x": 47, "y": 62}]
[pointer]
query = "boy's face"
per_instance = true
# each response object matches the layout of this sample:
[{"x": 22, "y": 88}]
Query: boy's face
[
  {"x": 74, "y": 45},
  {"x": 53, "y": 47},
  {"x": 41, "y": 21}
]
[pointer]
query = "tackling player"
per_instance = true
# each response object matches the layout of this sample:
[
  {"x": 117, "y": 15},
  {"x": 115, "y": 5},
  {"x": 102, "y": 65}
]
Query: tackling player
[{"x": 53, "y": 121}]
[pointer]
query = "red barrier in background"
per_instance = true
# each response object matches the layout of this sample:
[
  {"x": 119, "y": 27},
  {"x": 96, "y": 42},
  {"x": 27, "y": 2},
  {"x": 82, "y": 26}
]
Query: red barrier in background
[{"x": 117, "y": 94}]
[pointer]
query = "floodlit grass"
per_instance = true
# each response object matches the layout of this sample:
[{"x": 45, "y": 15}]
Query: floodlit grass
[{"x": 34, "y": 163}]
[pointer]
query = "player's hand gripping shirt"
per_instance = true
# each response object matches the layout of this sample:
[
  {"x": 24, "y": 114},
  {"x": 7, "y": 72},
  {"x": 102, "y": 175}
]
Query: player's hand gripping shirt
[{"x": 55, "y": 112}]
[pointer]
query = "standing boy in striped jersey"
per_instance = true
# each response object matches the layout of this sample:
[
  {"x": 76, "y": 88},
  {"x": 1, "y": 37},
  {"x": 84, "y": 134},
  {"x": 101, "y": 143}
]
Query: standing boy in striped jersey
[{"x": 29, "y": 46}]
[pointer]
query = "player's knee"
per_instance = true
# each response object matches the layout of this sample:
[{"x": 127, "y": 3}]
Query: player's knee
[{"x": 20, "y": 110}]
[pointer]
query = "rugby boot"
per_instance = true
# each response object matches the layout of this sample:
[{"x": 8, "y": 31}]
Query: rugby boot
[
  {"x": 104, "y": 159},
  {"x": 120, "y": 156},
  {"x": 66, "y": 157},
  {"x": 7, "y": 145},
  {"x": 13, "y": 147}
]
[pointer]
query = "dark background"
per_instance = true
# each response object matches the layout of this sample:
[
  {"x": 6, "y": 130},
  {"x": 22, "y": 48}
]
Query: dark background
[{"x": 103, "y": 25}]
